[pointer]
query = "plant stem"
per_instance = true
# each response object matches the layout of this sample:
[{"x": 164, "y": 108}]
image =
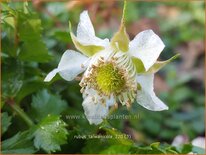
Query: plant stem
[
  {"x": 22, "y": 114},
  {"x": 124, "y": 12}
]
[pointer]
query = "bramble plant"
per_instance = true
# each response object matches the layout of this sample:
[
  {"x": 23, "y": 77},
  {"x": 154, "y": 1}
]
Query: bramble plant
[{"x": 41, "y": 113}]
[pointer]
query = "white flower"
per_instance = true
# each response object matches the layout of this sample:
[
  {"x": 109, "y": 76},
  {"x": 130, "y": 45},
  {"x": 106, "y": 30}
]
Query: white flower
[
  {"x": 115, "y": 71},
  {"x": 199, "y": 142}
]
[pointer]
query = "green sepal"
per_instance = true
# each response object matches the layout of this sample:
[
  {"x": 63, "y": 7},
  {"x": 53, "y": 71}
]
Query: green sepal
[
  {"x": 88, "y": 50},
  {"x": 160, "y": 64},
  {"x": 121, "y": 37},
  {"x": 138, "y": 65}
]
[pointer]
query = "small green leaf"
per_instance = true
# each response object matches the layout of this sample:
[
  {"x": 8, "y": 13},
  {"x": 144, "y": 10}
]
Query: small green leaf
[
  {"x": 44, "y": 103},
  {"x": 138, "y": 65},
  {"x": 20, "y": 143},
  {"x": 160, "y": 64},
  {"x": 50, "y": 133},
  {"x": 6, "y": 122},
  {"x": 121, "y": 38},
  {"x": 89, "y": 50}
]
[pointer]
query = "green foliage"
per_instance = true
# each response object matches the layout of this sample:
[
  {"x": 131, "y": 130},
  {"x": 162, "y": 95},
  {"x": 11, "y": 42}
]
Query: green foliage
[
  {"x": 26, "y": 28},
  {"x": 20, "y": 143},
  {"x": 13, "y": 79},
  {"x": 50, "y": 134},
  {"x": 44, "y": 104},
  {"x": 5, "y": 122},
  {"x": 30, "y": 30},
  {"x": 33, "y": 47},
  {"x": 154, "y": 148}
]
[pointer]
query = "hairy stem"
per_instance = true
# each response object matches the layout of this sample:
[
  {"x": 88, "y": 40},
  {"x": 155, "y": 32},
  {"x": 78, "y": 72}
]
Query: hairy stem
[{"x": 22, "y": 114}]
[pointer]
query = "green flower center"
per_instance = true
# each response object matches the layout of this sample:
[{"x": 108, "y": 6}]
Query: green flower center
[{"x": 109, "y": 79}]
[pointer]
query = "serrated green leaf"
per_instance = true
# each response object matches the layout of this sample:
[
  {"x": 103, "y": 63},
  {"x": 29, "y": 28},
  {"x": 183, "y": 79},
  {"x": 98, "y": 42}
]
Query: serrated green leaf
[
  {"x": 29, "y": 31},
  {"x": 5, "y": 122},
  {"x": 44, "y": 103},
  {"x": 20, "y": 143},
  {"x": 160, "y": 64},
  {"x": 50, "y": 134},
  {"x": 89, "y": 50}
]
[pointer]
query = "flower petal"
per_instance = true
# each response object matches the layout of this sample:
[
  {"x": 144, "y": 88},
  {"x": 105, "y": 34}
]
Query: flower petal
[
  {"x": 199, "y": 142},
  {"x": 94, "y": 109},
  {"x": 146, "y": 46},
  {"x": 50, "y": 76},
  {"x": 146, "y": 96},
  {"x": 95, "y": 112},
  {"x": 86, "y": 33},
  {"x": 86, "y": 41},
  {"x": 71, "y": 64},
  {"x": 85, "y": 26}
]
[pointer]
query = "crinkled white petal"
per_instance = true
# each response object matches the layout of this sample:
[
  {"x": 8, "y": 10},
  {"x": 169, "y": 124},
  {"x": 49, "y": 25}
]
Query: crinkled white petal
[
  {"x": 146, "y": 96},
  {"x": 95, "y": 111},
  {"x": 146, "y": 46},
  {"x": 50, "y": 76},
  {"x": 86, "y": 34},
  {"x": 71, "y": 64}
]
